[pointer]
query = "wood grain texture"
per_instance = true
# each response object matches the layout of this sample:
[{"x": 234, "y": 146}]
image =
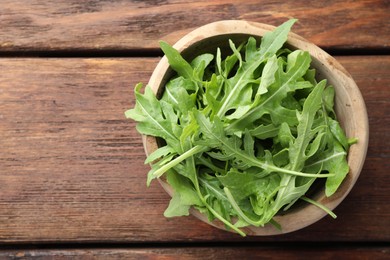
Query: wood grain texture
[
  {"x": 132, "y": 24},
  {"x": 264, "y": 252},
  {"x": 71, "y": 166}
]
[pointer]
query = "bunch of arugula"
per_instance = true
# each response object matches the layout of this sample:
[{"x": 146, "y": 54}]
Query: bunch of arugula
[{"x": 245, "y": 136}]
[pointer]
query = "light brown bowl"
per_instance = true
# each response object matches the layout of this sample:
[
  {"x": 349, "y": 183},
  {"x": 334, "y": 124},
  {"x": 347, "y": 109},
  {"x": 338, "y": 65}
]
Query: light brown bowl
[{"x": 349, "y": 106}]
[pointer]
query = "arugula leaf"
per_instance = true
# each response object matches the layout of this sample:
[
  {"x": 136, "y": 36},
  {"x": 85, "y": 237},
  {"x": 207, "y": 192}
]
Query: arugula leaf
[
  {"x": 274, "y": 40},
  {"x": 176, "y": 93},
  {"x": 160, "y": 152},
  {"x": 338, "y": 133},
  {"x": 337, "y": 165},
  {"x": 334, "y": 161},
  {"x": 244, "y": 184},
  {"x": 268, "y": 76},
  {"x": 264, "y": 131},
  {"x": 200, "y": 63},
  {"x": 150, "y": 116},
  {"x": 184, "y": 195},
  {"x": 297, "y": 64},
  {"x": 180, "y": 65},
  {"x": 297, "y": 151}
]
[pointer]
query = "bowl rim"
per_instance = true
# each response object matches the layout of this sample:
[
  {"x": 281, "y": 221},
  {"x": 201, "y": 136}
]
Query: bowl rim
[{"x": 294, "y": 220}]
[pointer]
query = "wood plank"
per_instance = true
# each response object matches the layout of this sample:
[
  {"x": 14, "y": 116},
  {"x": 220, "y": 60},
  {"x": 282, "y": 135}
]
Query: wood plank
[
  {"x": 71, "y": 166},
  {"x": 131, "y": 24},
  {"x": 264, "y": 252}
]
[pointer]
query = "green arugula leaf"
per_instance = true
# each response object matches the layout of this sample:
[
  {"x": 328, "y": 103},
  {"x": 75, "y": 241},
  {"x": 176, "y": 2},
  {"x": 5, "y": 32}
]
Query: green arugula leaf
[
  {"x": 268, "y": 76},
  {"x": 150, "y": 116},
  {"x": 180, "y": 65},
  {"x": 244, "y": 184},
  {"x": 183, "y": 186},
  {"x": 274, "y": 40},
  {"x": 338, "y": 133},
  {"x": 312, "y": 104},
  {"x": 176, "y": 93},
  {"x": 184, "y": 195},
  {"x": 297, "y": 64},
  {"x": 337, "y": 165},
  {"x": 289, "y": 192},
  {"x": 200, "y": 63},
  {"x": 160, "y": 152},
  {"x": 333, "y": 160}
]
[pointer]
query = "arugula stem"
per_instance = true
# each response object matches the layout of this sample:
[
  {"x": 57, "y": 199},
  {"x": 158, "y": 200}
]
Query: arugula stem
[
  {"x": 275, "y": 224},
  {"x": 315, "y": 203},
  {"x": 302, "y": 174},
  {"x": 352, "y": 141},
  {"x": 273, "y": 168},
  {"x": 227, "y": 223},
  {"x": 194, "y": 150},
  {"x": 202, "y": 198}
]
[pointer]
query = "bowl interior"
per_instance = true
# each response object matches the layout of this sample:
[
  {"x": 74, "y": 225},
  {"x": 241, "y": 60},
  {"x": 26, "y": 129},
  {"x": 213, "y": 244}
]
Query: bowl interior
[{"x": 349, "y": 106}]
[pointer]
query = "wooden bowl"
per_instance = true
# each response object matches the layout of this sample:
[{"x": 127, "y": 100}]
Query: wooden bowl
[{"x": 349, "y": 107}]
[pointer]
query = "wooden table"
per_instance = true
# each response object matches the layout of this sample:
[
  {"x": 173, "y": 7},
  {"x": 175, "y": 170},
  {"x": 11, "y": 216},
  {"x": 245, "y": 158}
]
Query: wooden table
[{"x": 71, "y": 166}]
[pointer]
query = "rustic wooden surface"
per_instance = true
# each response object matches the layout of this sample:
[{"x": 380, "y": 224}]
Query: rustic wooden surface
[
  {"x": 206, "y": 253},
  {"x": 133, "y": 24},
  {"x": 70, "y": 159},
  {"x": 71, "y": 167}
]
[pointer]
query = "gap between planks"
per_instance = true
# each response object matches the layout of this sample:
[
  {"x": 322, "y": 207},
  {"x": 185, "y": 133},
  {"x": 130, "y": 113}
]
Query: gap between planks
[
  {"x": 174, "y": 245},
  {"x": 154, "y": 52}
]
